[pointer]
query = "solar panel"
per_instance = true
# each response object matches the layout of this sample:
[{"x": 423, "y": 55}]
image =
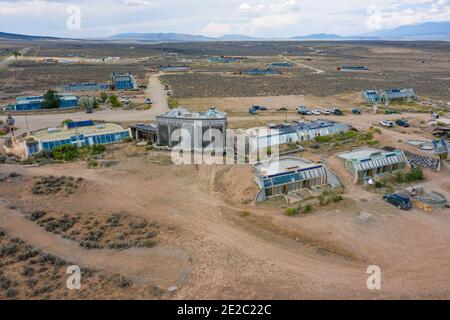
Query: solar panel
[{"x": 78, "y": 124}]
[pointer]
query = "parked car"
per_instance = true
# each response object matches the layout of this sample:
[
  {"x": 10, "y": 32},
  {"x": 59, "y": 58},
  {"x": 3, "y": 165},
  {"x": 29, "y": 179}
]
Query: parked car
[
  {"x": 166, "y": 87},
  {"x": 125, "y": 100},
  {"x": 387, "y": 123},
  {"x": 390, "y": 111},
  {"x": 402, "y": 123},
  {"x": 148, "y": 101},
  {"x": 252, "y": 110},
  {"x": 356, "y": 111},
  {"x": 400, "y": 201},
  {"x": 336, "y": 112},
  {"x": 316, "y": 112},
  {"x": 304, "y": 111},
  {"x": 434, "y": 115},
  {"x": 261, "y": 108},
  {"x": 282, "y": 109},
  {"x": 326, "y": 111},
  {"x": 89, "y": 110}
]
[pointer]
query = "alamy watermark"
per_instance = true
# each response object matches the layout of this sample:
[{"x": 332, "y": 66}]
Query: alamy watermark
[
  {"x": 74, "y": 19},
  {"x": 74, "y": 279},
  {"x": 374, "y": 280}
]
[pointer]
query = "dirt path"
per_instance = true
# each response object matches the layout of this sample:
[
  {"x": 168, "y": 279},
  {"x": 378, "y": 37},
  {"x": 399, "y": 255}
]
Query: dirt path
[
  {"x": 5, "y": 62},
  {"x": 162, "y": 265},
  {"x": 318, "y": 71},
  {"x": 158, "y": 95}
]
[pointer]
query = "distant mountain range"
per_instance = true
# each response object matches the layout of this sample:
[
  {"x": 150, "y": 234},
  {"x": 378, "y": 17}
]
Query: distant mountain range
[
  {"x": 13, "y": 36},
  {"x": 424, "y": 31},
  {"x": 177, "y": 37}
]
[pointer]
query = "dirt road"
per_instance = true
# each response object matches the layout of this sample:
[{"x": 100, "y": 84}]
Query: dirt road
[
  {"x": 156, "y": 92},
  {"x": 5, "y": 62},
  {"x": 316, "y": 70}
]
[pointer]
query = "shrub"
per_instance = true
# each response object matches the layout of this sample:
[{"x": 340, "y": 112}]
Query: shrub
[
  {"x": 66, "y": 121},
  {"x": 379, "y": 184},
  {"x": 337, "y": 198},
  {"x": 414, "y": 175},
  {"x": 121, "y": 281},
  {"x": 103, "y": 97},
  {"x": 291, "y": 212},
  {"x": 244, "y": 213},
  {"x": 97, "y": 149},
  {"x": 11, "y": 293},
  {"x": 307, "y": 209}
]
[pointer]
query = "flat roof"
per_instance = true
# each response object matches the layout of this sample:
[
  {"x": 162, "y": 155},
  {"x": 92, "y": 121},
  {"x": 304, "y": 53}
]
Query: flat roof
[
  {"x": 182, "y": 113},
  {"x": 363, "y": 153},
  {"x": 274, "y": 166},
  {"x": 64, "y": 133},
  {"x": 292, "y": 128}
]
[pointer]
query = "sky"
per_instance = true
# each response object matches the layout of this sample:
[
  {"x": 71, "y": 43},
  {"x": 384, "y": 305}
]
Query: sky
[{"x": 259, "y": 18}]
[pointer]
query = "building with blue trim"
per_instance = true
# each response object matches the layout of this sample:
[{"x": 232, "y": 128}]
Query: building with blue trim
[
  {"x": 284, "y": 175},
  {"x": 79, "y": 133},
  {"x": 264, "y": 137},
  {"x": 390, "y": 95},
  {"x": 88, "y": 86},
  {"x": 123, "y": 82},
  {"x": 367, "y": 163},
  {"x": 257, "y": 72},
  {"x": 280, "y": 65},
  {"x": 29, "y": 103},
  {"x": 170, "y": 68}
]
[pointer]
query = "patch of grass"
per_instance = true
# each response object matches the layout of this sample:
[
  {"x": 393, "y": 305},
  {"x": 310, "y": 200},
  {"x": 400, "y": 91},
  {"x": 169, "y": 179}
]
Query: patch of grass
[
  {"x": 291, "y": 212},
  {"x": 173, "y": 103},
  {"x": 244, "y": 213}
]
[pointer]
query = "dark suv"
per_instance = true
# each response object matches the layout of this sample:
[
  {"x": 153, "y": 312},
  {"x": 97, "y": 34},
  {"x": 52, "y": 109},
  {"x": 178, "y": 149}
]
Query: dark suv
[
  {"x": 398, "y": 200},
  {"x": 402, "y": 123}
]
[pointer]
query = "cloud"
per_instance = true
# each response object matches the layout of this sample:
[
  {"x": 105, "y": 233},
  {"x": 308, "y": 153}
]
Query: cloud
[
  {"x": 264, "y": 8},
  {"x": 136, "y": 3},
  {"x": 407, "y": 12},
  {"x": 217, "y": 29},
  {"x": 273, "y": 21}
]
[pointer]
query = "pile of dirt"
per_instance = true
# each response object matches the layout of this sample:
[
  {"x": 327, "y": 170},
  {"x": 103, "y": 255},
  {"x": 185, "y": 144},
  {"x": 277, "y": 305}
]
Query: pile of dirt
[{"x": 237, "y": 184}]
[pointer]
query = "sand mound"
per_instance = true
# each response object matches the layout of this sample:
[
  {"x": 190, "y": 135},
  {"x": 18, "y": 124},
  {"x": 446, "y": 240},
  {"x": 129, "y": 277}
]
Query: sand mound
[{"x": 238, "y": 184}]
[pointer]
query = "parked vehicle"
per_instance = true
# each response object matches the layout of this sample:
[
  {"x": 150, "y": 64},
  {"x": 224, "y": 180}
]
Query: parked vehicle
[
  {"x": 387, "y": 123},
  {"x": 316, "y": 112},
  {"x": 166, "y": 87},
  {"x": 282, "y": 109},
  {"x": 390, "y": 111},
  {"x": 148, "y": 101},
  {"x": 356, "y": 111},
  {"x": 252, "y": 110},
  {"x": 261, "y": 108},
  {"x": 435, "y": 116},
  {"x": 89, "y": 110},
  {"x": 400, "y": 201},
  {"x": 304, "y": 111},
  {"x": 402, "y": 123},
  {"x": 336, "y": 112},
  {"x": 125, "y": 100},
  {"x": 326, "y": 111}
]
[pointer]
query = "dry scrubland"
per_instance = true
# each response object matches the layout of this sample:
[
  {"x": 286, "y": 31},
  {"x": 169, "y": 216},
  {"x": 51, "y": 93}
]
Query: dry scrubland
[{"x": 211, "y": 240}]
